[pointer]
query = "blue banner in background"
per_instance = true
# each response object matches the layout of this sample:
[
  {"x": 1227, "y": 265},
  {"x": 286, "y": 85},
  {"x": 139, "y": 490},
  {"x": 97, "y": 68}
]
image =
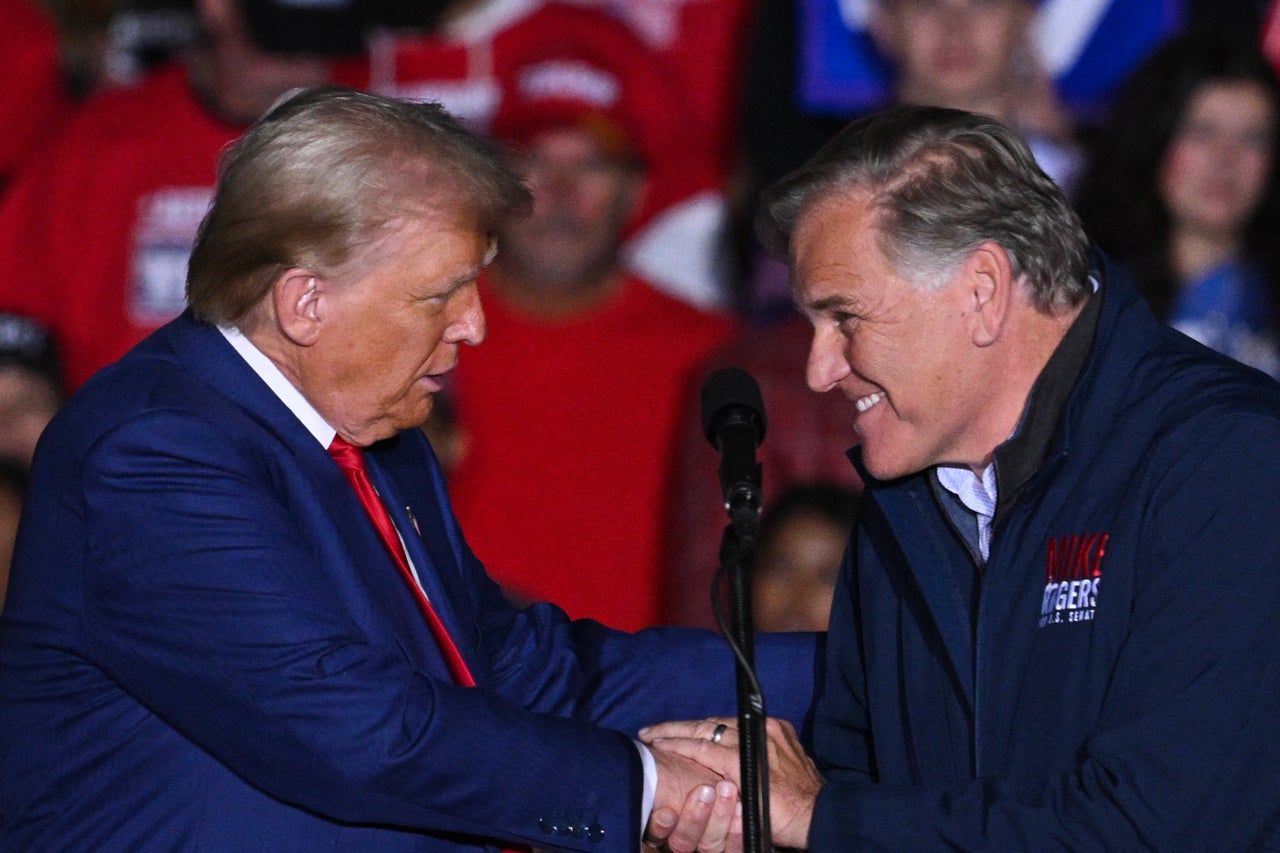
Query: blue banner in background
[
  {"x": 839, "y": 72},
  {"x": 1088, "y": 46}
]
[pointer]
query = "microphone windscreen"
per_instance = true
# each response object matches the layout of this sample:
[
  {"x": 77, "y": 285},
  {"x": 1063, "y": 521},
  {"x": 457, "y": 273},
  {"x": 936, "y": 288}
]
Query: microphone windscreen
[{"x": 730, "y": 390}]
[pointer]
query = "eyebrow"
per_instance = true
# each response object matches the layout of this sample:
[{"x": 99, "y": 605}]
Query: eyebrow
[
  {"x": 455, "y": 284},
  {"x": 829, "y": 303}
]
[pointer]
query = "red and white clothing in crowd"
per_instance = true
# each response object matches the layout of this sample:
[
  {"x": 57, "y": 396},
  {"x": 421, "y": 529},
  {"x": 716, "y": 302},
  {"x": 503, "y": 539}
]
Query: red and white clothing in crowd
[
  {"x": 489, "y": 51},
  {"x": 33, "y": 91},
  {"x": 571, "y": 428},
  {"x": 703, "y": 43},
  {"x": 95, "y": 233}
]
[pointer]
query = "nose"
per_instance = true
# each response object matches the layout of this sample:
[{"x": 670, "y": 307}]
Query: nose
[
  {"x": 559, "y": 180},
  {"x": 827, "y": 364},
  {"x": 466, "y": 323}
]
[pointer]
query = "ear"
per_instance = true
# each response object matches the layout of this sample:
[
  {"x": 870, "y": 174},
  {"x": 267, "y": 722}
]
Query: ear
[
  {"x": 296, "y": 297},
  {"x": 988, "y": 291}
]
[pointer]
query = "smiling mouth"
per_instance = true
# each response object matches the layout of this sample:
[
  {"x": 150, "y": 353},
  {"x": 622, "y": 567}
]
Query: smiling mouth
[{"x": 862, "y": 404}]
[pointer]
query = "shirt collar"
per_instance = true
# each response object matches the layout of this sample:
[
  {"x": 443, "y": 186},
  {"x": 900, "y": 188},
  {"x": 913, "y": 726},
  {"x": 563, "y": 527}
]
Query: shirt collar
[{"x": 280, "y": 386}]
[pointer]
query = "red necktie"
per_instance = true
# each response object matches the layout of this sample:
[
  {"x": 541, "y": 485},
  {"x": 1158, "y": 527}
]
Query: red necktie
[{"x": 351, "y": 460}]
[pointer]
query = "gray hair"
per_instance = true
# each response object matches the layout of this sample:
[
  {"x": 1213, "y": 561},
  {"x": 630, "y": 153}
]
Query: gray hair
[
  {"x": 943, "y": 182},
  {"x": 321, "y": 176}
]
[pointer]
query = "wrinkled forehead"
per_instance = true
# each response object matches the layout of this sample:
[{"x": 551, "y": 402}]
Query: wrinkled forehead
[
  {"x": 846, "y": 216},
  {"x": 834, "y": 241}
]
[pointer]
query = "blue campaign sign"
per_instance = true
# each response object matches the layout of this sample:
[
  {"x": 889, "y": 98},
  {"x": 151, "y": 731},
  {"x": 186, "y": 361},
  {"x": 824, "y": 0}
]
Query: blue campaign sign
[
  {"x": 1087, "y": 46},
  {"x": 840, "y": 71}
]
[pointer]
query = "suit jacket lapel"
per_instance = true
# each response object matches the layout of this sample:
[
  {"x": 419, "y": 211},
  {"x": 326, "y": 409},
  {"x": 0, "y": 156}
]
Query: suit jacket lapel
[{"x": 205, "y": 353}]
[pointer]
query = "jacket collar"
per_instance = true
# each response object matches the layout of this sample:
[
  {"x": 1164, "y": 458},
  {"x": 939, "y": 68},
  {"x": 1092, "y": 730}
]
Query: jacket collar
[
  {"x": 1019, "y": 458},
  {"x": 203, "y": 351}
]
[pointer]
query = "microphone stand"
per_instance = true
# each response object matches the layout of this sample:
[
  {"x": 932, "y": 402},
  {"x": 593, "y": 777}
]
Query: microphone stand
[
  {"x": 737, "y": 554},
  {"x": 733, "y": 420}
]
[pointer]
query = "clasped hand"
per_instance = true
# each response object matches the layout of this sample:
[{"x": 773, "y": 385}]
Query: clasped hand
[{"x": 697, "y": 805}]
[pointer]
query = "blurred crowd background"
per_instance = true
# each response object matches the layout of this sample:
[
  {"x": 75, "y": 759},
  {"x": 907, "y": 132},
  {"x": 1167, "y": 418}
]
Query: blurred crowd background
[{"x": 647, "y": 130}]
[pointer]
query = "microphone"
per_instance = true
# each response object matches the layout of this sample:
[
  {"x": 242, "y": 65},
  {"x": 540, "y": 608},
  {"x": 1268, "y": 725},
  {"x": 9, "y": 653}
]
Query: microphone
[{"x": 733, "y": 421}]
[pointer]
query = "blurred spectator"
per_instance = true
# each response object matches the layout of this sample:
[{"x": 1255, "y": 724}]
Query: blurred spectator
[
  {"x": 703, "y": 42},
  {"x": 580, "y": 439},
  {"x": 798, "y": 553},
  {"x": 30, "y": 394},
  {"x": 1183, "y": 191},
  {"x": 34, "y": 95},
  {"x": 143, "y": 34},
  {"x": 1087, "y": 48},
  {"x": 95, "y": 233},
  {"x": 477, "y": 57},
  {"x": 805, "y": 443},
  {"x": 83, "y": 26},
  {"x": 140, "y": 36},
  {"x": 30, "y": 386},
  {"x": 1270, "y": 33},
  {"x": 976, "y": 55}
]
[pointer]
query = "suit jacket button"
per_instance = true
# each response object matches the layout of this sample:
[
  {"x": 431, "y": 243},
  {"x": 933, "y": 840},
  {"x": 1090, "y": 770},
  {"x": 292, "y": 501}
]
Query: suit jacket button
[
  {"x": 547, "y": 825},
  {"x": 578, "y": 830},
  {"x": 595, "y": 832}
]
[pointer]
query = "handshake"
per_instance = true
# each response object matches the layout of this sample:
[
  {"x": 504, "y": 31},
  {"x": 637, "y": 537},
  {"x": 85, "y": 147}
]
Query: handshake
[{"x": 697, "y": 805}]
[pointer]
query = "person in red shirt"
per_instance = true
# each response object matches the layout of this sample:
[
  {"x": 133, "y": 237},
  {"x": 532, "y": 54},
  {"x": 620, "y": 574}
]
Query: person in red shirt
[
  {"x": 96, "y": 230},
  {"x": 579, "y": 437},
  {"x": 34, "y": 95},
  {"x": 472, "y": 61}
]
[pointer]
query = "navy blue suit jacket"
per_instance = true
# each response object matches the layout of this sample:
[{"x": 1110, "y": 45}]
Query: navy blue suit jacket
[{"x": 207, "y": 647}]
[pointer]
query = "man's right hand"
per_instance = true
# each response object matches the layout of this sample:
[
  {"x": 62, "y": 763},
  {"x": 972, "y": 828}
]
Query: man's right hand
[{"x": 694, "y": 808}]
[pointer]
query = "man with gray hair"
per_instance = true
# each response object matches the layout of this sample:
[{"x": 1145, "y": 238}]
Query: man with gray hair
[
  {"x": 1055, "y": 624},
  {"x": 242, "y": 615}
]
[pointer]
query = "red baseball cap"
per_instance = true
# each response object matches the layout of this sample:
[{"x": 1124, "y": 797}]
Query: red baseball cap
[{"x": 569, "y": 91}]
